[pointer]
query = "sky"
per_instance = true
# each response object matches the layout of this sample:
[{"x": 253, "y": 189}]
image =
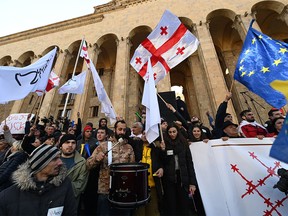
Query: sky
[{"x": 21, "y": 15}]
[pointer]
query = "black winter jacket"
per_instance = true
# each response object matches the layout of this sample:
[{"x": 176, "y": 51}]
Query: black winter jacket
[
  {"x": 187, "y": 173},
  {"x": 28, "y": 197}
]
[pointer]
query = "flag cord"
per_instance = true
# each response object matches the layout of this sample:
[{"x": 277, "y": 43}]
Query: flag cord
[{"x": 74, "y": 70}]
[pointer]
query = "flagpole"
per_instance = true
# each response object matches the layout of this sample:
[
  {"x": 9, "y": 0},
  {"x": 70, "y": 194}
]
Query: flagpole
[
  {"x": 161, "y": 133},
  {"x": 38, "y": 111},
  {"x": 74, "y": 70},
  {"x": 80, "y": 103},
  {"x": 232, "y": 85},
  {"x": 5, "y": 112},
  {"x": 162, "y": 99},
  {"x": 34, "y": 105}
]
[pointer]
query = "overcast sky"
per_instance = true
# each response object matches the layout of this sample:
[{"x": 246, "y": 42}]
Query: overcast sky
[{"x": 21, "y": 15}]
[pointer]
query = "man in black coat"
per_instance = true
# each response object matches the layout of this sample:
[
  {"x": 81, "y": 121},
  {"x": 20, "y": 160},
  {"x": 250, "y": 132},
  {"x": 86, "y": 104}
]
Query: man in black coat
[{"x": 41, "y": 187}]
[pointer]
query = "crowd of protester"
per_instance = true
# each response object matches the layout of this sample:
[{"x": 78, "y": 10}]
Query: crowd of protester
[{"x": 62, "y": 167}]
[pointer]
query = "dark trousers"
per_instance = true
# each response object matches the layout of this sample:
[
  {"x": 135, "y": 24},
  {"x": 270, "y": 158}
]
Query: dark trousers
[
  {"x": 104, "y": 208},
  {"x": 176, "y": 198}
]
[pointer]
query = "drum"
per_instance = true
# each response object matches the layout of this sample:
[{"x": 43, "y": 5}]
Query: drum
[{"x": 128, "y": 185}]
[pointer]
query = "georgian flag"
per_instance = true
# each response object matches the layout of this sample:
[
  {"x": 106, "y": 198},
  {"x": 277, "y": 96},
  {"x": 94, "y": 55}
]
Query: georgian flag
[
  {"x": 53, "y": 82},
  {"x": 84, "y": 52},
  {"x": 167, "y": 45}
]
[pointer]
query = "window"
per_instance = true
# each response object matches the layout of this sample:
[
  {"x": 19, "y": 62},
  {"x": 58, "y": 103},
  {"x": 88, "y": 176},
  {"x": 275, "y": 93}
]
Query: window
[
  {"x": 101, "y": 71},
  {"x": 68, "y": 113},
  {"x": 94, "y": 93},
  {"x": 70, "y": 101},
  {"x": 94, "y": 111}
]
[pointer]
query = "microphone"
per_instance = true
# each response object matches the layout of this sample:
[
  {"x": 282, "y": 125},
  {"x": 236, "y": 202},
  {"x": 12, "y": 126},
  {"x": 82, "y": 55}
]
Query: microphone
[{"x": 120, "y": 140}]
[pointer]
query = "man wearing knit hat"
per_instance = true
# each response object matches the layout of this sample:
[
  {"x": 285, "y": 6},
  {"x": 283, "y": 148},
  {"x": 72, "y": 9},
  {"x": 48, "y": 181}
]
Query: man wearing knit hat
[
  {"x": 41, "y": 187},
  {"x": 88, "y": 143},
  {"x": 75, "y": 164}
]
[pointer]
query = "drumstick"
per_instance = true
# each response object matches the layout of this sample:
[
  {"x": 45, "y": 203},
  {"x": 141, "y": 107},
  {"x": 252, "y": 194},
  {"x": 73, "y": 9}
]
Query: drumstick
[
  {"x": 194, "y": 202},
  {"x": 120, "y": 140}
]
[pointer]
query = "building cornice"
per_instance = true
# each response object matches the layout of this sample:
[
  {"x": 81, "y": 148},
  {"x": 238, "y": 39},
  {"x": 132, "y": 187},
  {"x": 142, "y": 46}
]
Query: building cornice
[
  {"x": 55, "y": 27},
  {"x": 97, "y": 16},
  {"x": 117, "y": 4}
]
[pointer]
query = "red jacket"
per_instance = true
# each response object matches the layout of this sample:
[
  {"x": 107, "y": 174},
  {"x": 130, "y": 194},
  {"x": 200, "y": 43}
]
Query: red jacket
[{"x": 251, "y": 130}]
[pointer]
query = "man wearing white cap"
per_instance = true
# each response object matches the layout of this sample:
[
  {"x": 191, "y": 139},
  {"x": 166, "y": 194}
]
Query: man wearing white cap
[{"x": 41, "y": 187}]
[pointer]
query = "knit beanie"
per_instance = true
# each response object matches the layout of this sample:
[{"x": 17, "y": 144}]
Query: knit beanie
[
  {"x": 66, "y": 137},
  {"x": 41, "y": 156},
  {"x": 87, "y": 127}
]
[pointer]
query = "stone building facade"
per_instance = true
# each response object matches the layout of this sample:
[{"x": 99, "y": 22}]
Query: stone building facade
[{"x": 115, "y": 30}]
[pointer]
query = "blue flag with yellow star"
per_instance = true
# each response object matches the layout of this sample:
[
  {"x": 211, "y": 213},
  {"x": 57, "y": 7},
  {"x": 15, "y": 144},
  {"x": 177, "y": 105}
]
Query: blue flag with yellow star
[
  {"x": 263, "y": 67},
  {"x": 279, "y": 149}
]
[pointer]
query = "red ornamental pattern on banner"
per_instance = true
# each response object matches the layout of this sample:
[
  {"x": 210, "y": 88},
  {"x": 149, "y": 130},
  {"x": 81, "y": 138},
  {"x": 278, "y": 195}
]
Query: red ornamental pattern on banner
[{"x": 254, "y": 189}]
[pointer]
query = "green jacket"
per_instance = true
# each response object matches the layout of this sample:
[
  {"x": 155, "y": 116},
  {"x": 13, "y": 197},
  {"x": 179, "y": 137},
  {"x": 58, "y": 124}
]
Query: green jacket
[{"x": 78, "y": 174}]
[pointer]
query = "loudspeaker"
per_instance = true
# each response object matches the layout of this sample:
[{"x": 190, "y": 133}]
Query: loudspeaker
[{"x": 169, "y": 97}]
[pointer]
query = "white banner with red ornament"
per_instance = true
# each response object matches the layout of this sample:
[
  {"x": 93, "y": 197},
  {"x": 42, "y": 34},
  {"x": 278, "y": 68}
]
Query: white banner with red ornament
[{"x": 236, "y": 177}]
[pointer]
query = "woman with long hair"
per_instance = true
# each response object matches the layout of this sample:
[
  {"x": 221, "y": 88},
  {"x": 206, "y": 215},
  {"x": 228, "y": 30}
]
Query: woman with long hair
[
  {"x": 198, "y": 135},
  {"x": 277, "y": 125},
  {"x": 179, "y": 176}
]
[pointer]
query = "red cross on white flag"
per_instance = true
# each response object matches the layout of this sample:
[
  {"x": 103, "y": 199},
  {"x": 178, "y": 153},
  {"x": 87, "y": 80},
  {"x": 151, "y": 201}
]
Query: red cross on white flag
[
  {"x": 167, "y": 45},
  {"x": 84, "y": 52}
]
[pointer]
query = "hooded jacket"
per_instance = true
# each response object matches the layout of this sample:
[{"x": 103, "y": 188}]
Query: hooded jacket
[
  {"x": 29, "y": 197},
  {"x": 9, "y": 166}
]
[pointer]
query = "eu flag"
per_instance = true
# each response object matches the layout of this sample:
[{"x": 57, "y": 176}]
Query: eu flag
[
  {"x": 263, "y": 63},
  {"x": 279, "y": 149}
]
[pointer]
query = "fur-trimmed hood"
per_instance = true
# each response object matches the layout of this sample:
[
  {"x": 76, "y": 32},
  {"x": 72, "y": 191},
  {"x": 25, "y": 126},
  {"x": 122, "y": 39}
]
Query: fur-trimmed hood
[{"x": 25, "y": 181}]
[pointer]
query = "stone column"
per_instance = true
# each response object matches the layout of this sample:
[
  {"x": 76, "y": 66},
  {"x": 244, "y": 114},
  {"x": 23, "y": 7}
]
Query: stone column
[
  {"x": 132, "y": 91},
  {"x": 239, "y": 27},
  {"x": 247, "y": 18},
  {"x": 284, "y": 15},
  {"x": 119, "y": 88},
  {"x": 196, "y": 88},
  {"x": 49, "y": 96},
  {"x": 215, "y": 83},
  {"x": 165, "y": 84}
]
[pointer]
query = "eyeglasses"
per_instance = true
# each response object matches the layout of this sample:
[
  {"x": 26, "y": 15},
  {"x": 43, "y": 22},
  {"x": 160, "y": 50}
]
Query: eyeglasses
[{"x": 88, "y": 131}]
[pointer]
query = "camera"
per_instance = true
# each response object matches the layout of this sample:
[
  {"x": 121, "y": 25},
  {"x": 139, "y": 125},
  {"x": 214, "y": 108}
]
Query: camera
[
  {"x": 45, "y": 120},
  {"x": 282, "y": 184}
]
